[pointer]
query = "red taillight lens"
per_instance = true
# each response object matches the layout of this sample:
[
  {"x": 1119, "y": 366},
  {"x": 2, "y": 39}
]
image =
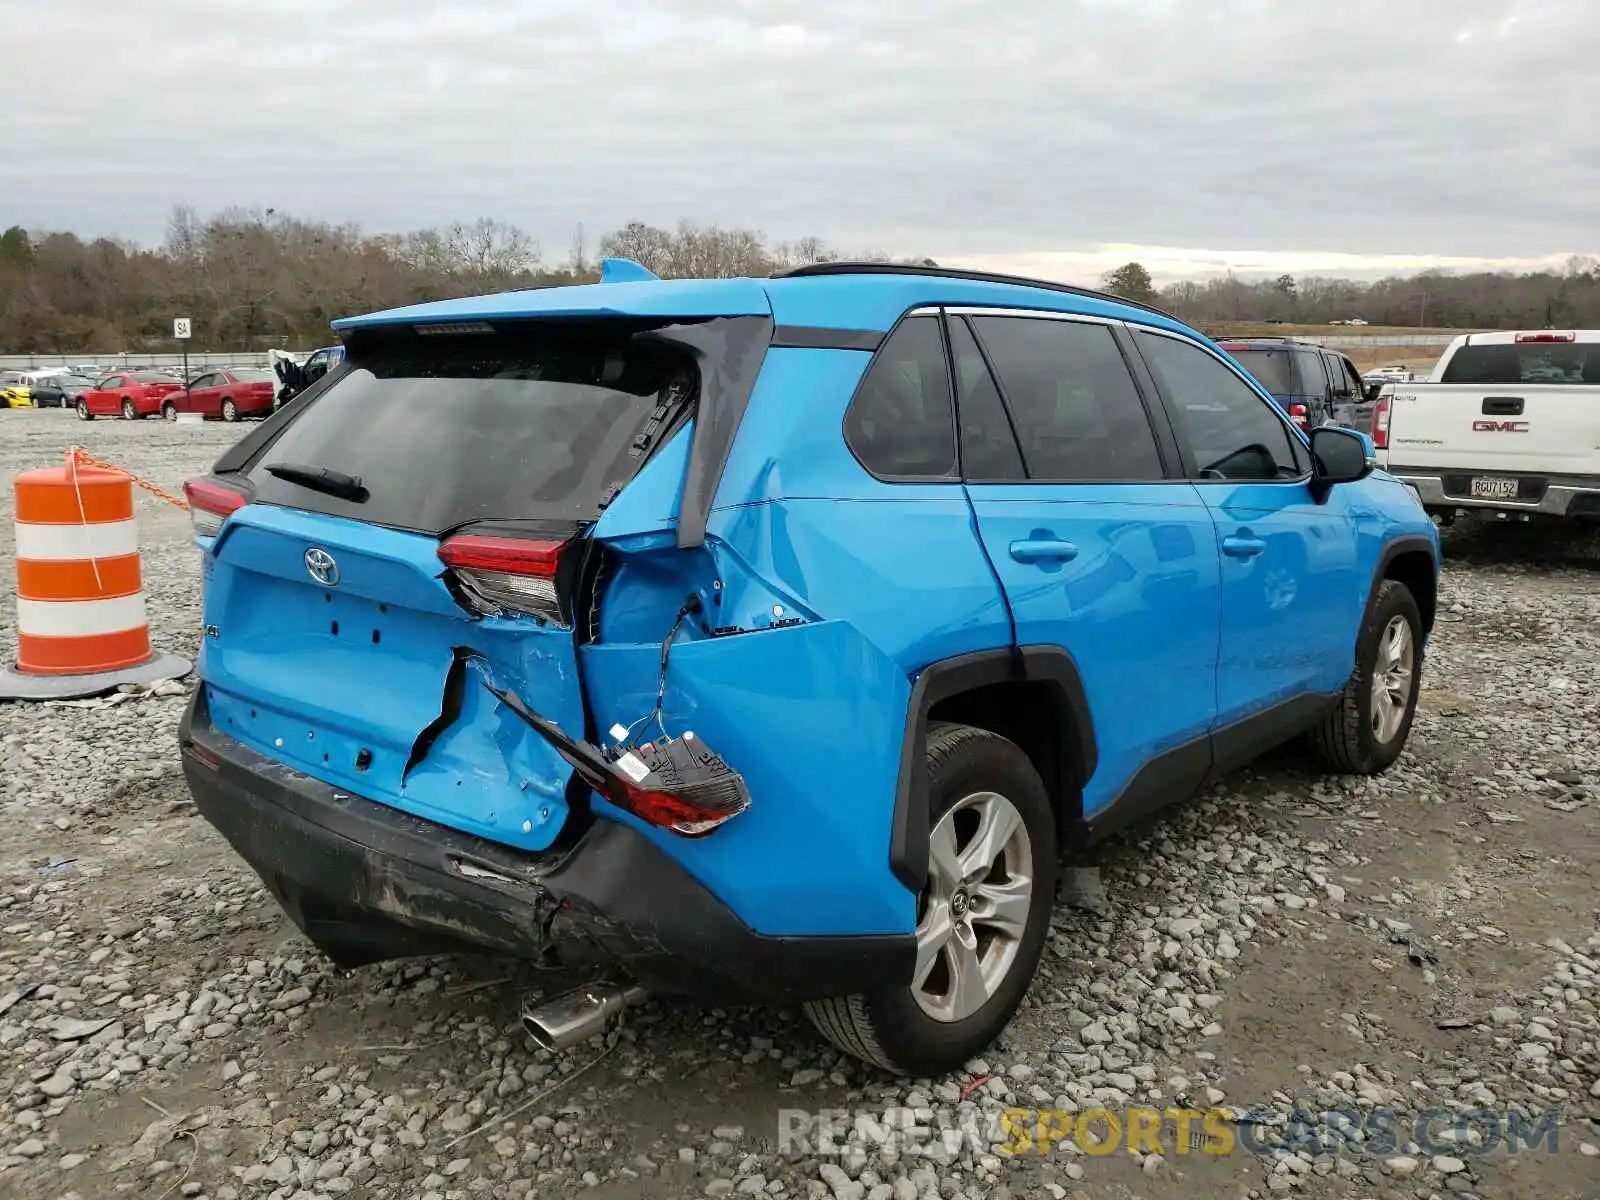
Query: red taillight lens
[
  {"x": 1380, "y": 423},
  {"x": 689, "y": 816},
  {"x": 1298, "y": 414},
  {"x": 210, "y": 504},
  {"x": 498, "y": 575}
]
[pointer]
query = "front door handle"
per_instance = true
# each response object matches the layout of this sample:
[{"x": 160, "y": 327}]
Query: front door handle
[
  {"x": 1243, "y": 545},
  {"x": 1034, "y": 550}
]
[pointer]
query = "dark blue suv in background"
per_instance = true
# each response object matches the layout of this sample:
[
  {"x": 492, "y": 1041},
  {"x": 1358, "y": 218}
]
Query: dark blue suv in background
[{"x": 771, "y": 640}]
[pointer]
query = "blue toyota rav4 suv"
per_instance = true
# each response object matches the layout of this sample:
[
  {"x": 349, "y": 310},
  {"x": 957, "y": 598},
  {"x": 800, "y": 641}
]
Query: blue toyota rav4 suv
[{"x": 772, "y": 640}]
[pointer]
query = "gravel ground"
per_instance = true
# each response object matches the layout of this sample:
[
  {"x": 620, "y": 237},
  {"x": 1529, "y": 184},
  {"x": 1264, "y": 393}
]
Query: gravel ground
[{"x": 1287, "y": 945}]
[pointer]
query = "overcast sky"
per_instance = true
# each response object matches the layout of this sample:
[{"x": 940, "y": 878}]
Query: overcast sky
[{"x": 1053, "y": 135}]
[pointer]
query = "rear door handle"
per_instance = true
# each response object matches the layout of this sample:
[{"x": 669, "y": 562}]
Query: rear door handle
[
  {"x": 1242, "y": 545},
  {"x": 1043, "y": 550}
]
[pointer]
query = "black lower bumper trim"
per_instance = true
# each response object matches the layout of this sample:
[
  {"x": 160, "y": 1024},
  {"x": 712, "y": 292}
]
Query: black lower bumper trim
[{"x": 368, "y": 883}]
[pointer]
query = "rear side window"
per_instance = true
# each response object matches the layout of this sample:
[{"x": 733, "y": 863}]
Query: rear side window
[
  {"x": 1532, "y": 362},
  {"x": 536, "y": 421},
  {"x": 1076, "y": 408},
  {"x": 1233, "y": 432},
  {"x": 1274, "y": 369},
  {"x": 900, "y": 424}
]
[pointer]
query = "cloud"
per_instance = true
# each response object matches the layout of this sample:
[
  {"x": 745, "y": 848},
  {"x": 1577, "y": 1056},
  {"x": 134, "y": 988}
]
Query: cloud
[{"x": 1434, "y": 128}]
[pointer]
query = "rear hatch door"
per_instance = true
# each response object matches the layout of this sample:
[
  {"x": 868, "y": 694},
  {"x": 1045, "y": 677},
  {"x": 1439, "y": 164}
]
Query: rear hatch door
[{"x": 340, "y": 642}]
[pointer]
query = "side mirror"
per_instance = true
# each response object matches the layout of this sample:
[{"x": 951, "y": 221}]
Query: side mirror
[{"x": 1339, "y": 455}]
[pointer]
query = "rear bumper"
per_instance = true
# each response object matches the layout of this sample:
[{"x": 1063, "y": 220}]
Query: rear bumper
[
  {"x": 366, "y": 883},
  {"x": 1571, "y": 497}
]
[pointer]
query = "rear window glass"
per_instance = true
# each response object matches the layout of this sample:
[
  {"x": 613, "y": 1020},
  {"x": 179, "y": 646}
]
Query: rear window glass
[
  {"x": 252, "y": 375},
  {"x": 1273, "y": 369},
  {"x": 152, "y": 377},
  {"x": 532, "y": 422},
  {"x": 1531, "y": 362}
]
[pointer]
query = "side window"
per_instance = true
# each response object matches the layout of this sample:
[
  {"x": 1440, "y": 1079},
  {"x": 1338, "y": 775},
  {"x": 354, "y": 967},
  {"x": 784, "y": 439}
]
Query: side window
[
  {"x": 1341, "y": 382},
  {"x": 204, "y": 381},
  {"x": 899, "y": 424},
  {"x": 988, "y": 447},
  {"x": 1076, "y": 408},
  {"x": 1231, "y": 430},
  {"x": 1352, "y": 379}
]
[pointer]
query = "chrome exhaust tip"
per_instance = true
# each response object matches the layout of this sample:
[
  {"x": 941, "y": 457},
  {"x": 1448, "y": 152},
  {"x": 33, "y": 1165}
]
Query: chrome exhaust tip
[{"x": 563, "y": 1021}]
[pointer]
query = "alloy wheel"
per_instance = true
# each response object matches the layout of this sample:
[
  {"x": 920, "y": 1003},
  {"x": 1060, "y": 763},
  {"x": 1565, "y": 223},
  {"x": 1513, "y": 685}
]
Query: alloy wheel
[
  {"x": 975, "y": 909},
  {"x": 1391, "y": 679}
]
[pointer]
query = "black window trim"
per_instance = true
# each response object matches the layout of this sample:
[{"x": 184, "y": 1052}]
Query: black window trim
[
  {"x": 1165, "y": 449},
  {"x": 1185, "y": 450},
  {"x": 946, "y": 316},
  {"x": 935, "y": 312}
]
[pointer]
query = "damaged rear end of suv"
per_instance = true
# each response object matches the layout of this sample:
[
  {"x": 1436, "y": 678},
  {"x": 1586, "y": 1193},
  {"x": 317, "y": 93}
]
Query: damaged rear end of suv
[{"x": 471, "y": 669}]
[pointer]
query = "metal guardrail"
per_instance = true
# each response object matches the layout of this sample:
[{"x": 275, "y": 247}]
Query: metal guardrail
[{"x": 1350, "y": 341}]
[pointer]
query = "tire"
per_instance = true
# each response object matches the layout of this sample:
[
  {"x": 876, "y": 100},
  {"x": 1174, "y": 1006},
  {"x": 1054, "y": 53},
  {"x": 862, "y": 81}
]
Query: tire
[
  {"x": 83, "y": 410},
  {"x": 169, "y": 412},
  {"x": 129, "y": 413},
  {"x": 927, "y": 1031},
  {"x": 230, "y": 411},
  {"x": 1357, "y": 737}
]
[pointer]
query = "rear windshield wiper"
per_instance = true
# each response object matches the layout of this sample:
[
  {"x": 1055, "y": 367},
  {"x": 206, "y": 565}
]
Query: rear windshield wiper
[{"x": 320, "y": 479}]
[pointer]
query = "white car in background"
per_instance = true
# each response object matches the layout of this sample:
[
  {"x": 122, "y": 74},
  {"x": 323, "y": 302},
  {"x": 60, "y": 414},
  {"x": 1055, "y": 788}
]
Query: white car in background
[{"x": 1393, "y": 374}]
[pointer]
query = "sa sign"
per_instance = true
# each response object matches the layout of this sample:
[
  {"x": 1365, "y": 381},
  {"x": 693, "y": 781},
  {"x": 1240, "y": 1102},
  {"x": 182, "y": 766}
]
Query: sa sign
[{"x": 182, "y": 328}]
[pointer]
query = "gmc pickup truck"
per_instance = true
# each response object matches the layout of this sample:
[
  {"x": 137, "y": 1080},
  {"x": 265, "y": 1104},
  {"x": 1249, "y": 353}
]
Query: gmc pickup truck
[{"x": 1507, "y": 424}]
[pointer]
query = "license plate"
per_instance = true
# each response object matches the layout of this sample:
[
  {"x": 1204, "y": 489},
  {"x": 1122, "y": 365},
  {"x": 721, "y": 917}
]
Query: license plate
[{"x": 1487, "y": 487}]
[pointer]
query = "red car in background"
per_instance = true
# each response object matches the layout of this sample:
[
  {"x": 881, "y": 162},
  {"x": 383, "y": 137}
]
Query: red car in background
[
  {"x": 133, "y": 395},
  {"x": 231, "y": 394}
]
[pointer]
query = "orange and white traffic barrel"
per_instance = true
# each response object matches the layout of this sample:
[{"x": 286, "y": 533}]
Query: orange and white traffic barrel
[{"x": 81, "y": 623}]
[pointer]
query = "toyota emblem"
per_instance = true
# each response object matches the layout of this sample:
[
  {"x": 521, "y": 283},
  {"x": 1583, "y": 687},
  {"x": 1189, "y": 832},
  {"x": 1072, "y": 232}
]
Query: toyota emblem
[{"x": 322, "y": 567}]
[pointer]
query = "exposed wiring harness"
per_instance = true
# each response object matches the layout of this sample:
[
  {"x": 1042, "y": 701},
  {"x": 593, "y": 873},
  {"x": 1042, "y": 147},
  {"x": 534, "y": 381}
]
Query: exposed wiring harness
[{"x": 691, "y": 605}]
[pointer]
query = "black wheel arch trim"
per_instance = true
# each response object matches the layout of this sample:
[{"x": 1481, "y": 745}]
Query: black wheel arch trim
[
  {"x": 908, "y": 836},
  {"x": 1410, "y": 543}
]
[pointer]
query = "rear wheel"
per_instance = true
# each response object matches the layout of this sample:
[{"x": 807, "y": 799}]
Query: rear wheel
[
  {"x": 83, "y": 410},
  {"x": 230, "y": 411},
  {"x": 982, "y": 916},
  {"x": 1366, "y": 731},
  {"x": 128, "y": 411}
]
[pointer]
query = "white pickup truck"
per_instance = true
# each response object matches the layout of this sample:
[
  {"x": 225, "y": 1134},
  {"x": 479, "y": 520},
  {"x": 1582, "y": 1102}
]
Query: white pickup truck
[{"x": 1507, "y": 424}]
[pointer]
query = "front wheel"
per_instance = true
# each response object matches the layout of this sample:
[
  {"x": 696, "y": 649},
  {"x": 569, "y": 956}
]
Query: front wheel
[
  {"x": 83, "y": 411},
  {"x": 169, "y": 412},
  {"x": 981, "y": 919},
  {"x": 230, "y": 411},
  {"x": 1366, "y": 731}
]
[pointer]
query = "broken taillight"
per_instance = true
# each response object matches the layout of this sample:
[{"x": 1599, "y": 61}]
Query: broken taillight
[
  {"x": 210, "y": 504},
  {"x": 496, "y": 575},
  {"x": 1298, "y": 413},
  {"x": 679, "y": 784}
]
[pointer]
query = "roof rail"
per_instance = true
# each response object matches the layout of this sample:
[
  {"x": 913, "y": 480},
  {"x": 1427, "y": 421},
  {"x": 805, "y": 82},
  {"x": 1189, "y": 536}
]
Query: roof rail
[
  {"x": 872, "y": 268},
  {"x": 1265, "y": 337}
]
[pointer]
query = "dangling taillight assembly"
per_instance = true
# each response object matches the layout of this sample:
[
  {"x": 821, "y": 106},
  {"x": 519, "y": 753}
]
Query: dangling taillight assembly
[
  {"x": 496, "y": 575},
  {"x": 678, "y": 784},
  {"x": 1299, "y": 414}
]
